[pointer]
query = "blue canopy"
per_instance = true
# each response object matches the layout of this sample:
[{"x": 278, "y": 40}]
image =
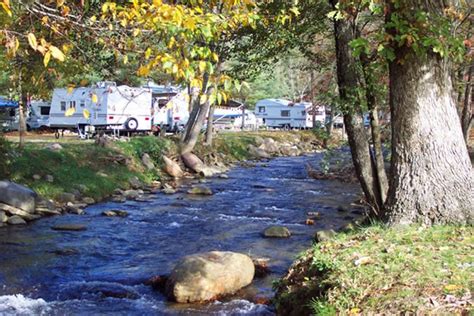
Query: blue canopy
[{"x": 5, "y": 103}]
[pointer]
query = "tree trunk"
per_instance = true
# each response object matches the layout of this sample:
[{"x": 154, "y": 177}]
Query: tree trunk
[
  {"x": 431, "y": 175},
  {"x": 380, "y": 173},
  {"x": 348, "y": 78},
  {"x": 21, "y": 114},
  {"x": 466, "y": 114},
  {"x": 210, "y": 126}
]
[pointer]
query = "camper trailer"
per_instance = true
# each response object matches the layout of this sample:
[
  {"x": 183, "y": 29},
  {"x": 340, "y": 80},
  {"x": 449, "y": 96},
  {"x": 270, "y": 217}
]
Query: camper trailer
[
  {"x": 105, "y": 106},
  {"x": 277, "y": 113},
  {"x": 9, "y": 115},
  {"x": 230, "y": 117},
  {"x": 170, "y": 107},
  {"x": 38, "y": 115}
]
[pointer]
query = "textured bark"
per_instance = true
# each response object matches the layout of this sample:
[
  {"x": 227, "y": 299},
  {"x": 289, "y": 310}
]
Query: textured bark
[
  {"x": 466, "y": 113},
  {"x": 348, "y": 77},
  {"x": 380, "y": 173},
  {"x": 196, "y": 120},
  {"x": 210, "y": 126},
  {"x": 432, "y": 179}
]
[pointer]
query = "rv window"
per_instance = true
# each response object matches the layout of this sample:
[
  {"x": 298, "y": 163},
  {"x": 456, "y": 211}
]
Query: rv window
[
  {"x": 72, "y": 104},
  {"x": 83, "y": 103},
  {"x": 12, "y": 112},
  {"x": 63, "y": 105},
  {"x": 303, "y": 112},
  {"x": 285, "y": 113},
  {"x": 261, "y": 109},
  {"x": 44, "y": 110}
]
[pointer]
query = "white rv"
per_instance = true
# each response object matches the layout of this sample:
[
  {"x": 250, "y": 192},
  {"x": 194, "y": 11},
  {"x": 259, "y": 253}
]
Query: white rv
[
  {"x": 278, "y": 113},
  {"x": 170, "y": 107},
  {"x": 38, "y": 115},
  {"x": 226, "y": 117},
  {"x": 105, "y": 107},
  {"x": 9, "y": 115}
]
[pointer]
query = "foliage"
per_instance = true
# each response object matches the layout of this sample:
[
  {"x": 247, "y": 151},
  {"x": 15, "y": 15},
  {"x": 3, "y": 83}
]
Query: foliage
[
  {"x": 153, "y": 146},
  {"x": 5, "y": 157}
]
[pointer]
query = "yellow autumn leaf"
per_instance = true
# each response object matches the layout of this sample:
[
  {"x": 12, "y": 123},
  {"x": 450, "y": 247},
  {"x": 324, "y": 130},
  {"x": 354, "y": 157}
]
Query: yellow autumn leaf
[
  {"x": 6, "y": 8},
  {"x": 94, "y": 98},
  {"x": 57, "y": 53},
  {"x": 86, "y": 114},
  {"x": 32, "y": 41},
  {"x": 125, "y": 60},
  {"x": 203, "y": 99},
  {"x": 70, "y": 89},
  {"x": 70, "y": 112},
  {"x": 354, "y": 311},
  {"x": 47, "y": 58},
  {"x": 202, "y": 66},
  {"x": 452, "y": 287}
]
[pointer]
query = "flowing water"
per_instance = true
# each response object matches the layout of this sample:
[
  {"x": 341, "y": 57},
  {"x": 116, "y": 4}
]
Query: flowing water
[{"x": 102, "y": 270}]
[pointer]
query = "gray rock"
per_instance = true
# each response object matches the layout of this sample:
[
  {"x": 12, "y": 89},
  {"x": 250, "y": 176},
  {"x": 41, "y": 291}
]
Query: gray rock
[
  {"x": 16, "y": 220},
  {"x": 88, "y": 200},
  {"x": 223, "y": 176},
  {"x": 18, "y": 196},
  {"x": 207, "y": 276},
  {"x": 200, "y": 190},
  {"x": 66, "y": 197},
  {"x": 169, "y": 191},
  {"x": 36, "y": 177},
  {"x": 135, "y": 183},
  {"x": 69, "y": 227},
  {"x": 47, "y": 212},
  {"x": 270, "y": 146},
  {"x": 115, "y": 213},
  {"x": 74, "y": 210},
  {"x": 148, "y": 162},
  {"x": 277, "y": 232},
  {"x": 118, "y": 199},
  {"x": 118, "y": 192},
  {"x": 54, "y": 147},
  {"x": 31, "y": 217},
  {"x": 258, "y": 152},
  {"x": 13, "y": 210},
  {"x": 324, "y": 235},
  {"x": 131, "y": 194},
  {"x": 82, "y": 188},
  {"x": 3, "y": 217}
]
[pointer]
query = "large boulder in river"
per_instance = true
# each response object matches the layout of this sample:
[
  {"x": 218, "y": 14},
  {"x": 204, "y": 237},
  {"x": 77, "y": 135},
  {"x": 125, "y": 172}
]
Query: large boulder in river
[
  {"x": 18, "y": 196},
  {"x": 277, "y": 232},
  {"x": 200, "y": 190},
  {"x": 172, "y": 168},
  {"x": 208, "y": 276}
]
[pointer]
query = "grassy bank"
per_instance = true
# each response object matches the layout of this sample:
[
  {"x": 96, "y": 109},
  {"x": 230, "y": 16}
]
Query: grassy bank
[
  {"x": 380, "y": 270},
  {"x": 97, "y": 171}
]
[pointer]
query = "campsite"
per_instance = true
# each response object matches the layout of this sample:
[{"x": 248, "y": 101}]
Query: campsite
[{"x": 236, "y": 157}]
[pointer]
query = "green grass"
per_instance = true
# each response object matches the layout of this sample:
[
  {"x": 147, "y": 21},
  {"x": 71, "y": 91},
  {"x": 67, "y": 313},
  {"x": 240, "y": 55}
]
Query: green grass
[{"x": 409, "y": 269}]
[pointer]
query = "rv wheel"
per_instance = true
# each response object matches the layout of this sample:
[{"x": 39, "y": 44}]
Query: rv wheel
[{"x": 131, "y": 124}]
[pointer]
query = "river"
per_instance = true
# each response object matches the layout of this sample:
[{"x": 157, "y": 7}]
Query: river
[{"x": 102, "y": 270}]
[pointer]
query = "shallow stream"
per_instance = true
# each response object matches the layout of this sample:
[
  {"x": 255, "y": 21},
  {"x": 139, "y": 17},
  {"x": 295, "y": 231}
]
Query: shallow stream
[{"x": 102, "y": 270}]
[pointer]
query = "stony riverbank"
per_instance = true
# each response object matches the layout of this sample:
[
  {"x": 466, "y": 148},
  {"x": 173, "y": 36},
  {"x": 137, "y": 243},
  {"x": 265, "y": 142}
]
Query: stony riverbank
[{"x": 67, "y": 177}]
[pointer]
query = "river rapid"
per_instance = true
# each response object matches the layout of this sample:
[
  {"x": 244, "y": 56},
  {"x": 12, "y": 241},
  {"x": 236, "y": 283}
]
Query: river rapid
[{"x": 102, "y": 270}]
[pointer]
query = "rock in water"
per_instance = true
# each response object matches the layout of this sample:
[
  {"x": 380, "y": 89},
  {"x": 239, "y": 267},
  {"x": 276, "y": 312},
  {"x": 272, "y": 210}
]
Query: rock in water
[
  {"x": 192, "y": 162},
  {"x": 277, "y": 232},
  {"x": 148, "y": 162},
  {"x": 69, "y": 227},
  {"x": 3, "y": 217},
  {"x": 200, "y": 190},
  {"x": 207, "y": 276},
  {"x": 16, "y": 220},
  {"x": 172, "y": 168},
  {"x": 66, "y": 197},
  {"x": 18, "y": 196}
]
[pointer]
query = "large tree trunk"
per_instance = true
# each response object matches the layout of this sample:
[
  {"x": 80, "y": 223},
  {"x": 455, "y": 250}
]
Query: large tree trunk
[
  {"x": 210, "y": 126},
  {"x": 349, "y": 80},
  {"x": 431, "y": 175},
  {"x": 466, "y": 113},
  {"x": 21, "y": 113},
  {"x": 196, "y": 119}
]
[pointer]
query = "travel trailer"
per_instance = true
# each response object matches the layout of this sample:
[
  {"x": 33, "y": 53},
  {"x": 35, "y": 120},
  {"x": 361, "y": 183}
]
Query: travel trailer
[
  {"x": 170, "y": 107},
  {"x": 38, "y": 116},
  {"x": 105, "y": 107},
  {"x": 230, "y": 117},
  {"x": 278, "y": 113},
  {"x": 9, "y": 115}
]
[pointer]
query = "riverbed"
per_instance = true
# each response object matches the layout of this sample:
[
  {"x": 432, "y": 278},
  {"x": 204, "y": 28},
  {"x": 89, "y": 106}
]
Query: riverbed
[{"x": 102, "y": 270}]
